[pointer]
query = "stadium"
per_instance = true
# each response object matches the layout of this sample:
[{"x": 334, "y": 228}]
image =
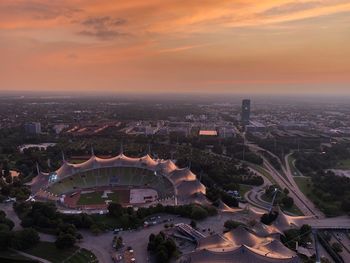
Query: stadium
[{"x": 95, "y": 183}]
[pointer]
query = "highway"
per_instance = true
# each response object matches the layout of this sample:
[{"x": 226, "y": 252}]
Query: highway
[{"x": 286, "y": 180}]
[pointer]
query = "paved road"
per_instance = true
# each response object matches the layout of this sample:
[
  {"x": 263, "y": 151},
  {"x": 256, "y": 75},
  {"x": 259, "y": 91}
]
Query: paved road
[
  {"x": 252, "y": 195},
  {"x": 32, "y": 257},
  {"x": 341, "y": 222},
  {"x": 11, "y": 214},
  {"x": 310, "y": 204}
]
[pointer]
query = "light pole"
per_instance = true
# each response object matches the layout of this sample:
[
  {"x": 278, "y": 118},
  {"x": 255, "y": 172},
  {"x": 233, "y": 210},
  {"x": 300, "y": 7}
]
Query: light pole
[{"x": 273, "y": 198}]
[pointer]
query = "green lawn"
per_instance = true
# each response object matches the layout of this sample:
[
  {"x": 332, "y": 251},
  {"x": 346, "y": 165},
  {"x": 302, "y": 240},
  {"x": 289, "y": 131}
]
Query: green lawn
[
  {"x": 9, "y": 256},
  {"x": 48, "y": 251},
  {"x": 243, "y": 188},
  {"x": 303, "y": 183},
  {"x": 91, "y": 199},
  {"x": 343, "y": 164},
  {"x": 293, "y": 169},
  {"x": 96, "y": 198},
  {"x": 114, "y": 197},
  {"x": 294, "y": 210},
  {"x": 82, "y": 256}
]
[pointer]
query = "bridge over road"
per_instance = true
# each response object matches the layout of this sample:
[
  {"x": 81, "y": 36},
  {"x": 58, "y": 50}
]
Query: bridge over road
[{"x": 336, "y": 223}]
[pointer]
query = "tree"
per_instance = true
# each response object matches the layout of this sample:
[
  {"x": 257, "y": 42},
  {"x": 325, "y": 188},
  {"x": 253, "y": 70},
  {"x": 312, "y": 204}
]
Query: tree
[
  {"x": 268, "y": 218},
  {"x": 5, "y": 220},
  {"x": 118, "y": 242},
  {"x": 162, "y": 255},
  {"x": 65, "y": 241},
  {"x": 6, "y": 237},
  {"x": 305, "y": 229},
  {"x": 25, "y": 238},
  {"x": 170, "y": 246},
  {"x": 198, "y": 213},
  {"x": 161, "y": 247},
  {"x": 115, "y": 209},
  {"x": 337, "y": 247},
  {"x": 193, "y": 224},
  {"x": 231, "y": 224},
  {"x": 95, "y": 229},
  {"x": 287, "y": 201},
  {"x": 229, "y": 200}
]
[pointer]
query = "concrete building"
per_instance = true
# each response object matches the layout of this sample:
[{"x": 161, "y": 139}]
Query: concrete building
[
  {"x": 226, "y": 132},
  {"x": 32, "y": 128}
]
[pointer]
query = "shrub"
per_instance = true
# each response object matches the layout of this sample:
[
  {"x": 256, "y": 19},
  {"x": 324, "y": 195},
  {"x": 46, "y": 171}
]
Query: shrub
[{"x": 231, "y": 224}]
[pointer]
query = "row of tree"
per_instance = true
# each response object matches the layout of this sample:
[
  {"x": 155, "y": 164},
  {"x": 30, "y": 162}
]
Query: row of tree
[{"x": 22, "y": 239}]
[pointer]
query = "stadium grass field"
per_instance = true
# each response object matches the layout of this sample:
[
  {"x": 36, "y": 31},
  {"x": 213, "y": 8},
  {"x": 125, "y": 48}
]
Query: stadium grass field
[{"x": 95, "y": 198}]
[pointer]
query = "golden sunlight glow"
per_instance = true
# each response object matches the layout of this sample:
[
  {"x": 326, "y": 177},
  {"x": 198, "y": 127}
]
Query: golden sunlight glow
[{"x": 282, "y": 46}]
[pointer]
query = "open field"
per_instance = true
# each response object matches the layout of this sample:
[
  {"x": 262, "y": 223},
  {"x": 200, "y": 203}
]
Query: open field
[
  {"x": 48, "y": 251},
  {"x": 303, "y": 183},
  {"x": 343, "y": 164}
]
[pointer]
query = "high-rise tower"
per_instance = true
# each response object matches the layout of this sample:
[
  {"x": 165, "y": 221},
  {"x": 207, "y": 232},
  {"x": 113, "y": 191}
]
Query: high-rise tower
[{"x": 245, "y": 112}]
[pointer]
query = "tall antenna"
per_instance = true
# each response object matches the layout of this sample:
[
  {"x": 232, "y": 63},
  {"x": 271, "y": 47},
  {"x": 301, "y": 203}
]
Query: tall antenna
[
  {"x": 273, "y": 200},
  {"x": 243, "y": 157},
  {"x": 314, "y": 232},
  {"x": 63, "y": 158},
  {"x": 92, "y": 151},
  {"x": 37, "y": 168}
]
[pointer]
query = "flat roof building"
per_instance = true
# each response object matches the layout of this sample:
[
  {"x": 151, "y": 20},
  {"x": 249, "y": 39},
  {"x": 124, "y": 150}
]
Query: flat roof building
[{"x": 208, "y": 133}]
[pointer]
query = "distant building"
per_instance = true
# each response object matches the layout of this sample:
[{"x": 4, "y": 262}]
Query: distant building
[
  {"x": 32, "y": 128},
  {"x": 208, "y": 133},
  {"x": 226, "y": 132},
  {"x": 292, "y": 125},
  {"x": 255, "y": 126},
  {"x": 58, "y": 128},
  {"x": 245, "y": 115}
]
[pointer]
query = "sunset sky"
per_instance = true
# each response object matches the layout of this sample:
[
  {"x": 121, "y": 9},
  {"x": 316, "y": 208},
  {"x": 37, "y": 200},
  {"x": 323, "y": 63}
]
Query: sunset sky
[{"x": 239, "y": 46}]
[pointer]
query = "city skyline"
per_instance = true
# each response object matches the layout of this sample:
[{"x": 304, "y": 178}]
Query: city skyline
[{"x": 284, "y": 47}]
